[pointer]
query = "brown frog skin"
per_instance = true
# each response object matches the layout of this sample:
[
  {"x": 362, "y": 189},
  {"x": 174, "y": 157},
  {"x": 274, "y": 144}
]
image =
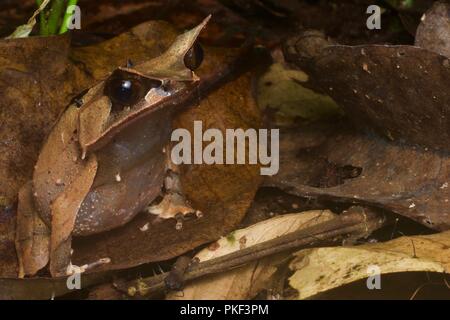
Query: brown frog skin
[
  {"x": 105, "y": 160},
  {"x": 125, "y": 132}
]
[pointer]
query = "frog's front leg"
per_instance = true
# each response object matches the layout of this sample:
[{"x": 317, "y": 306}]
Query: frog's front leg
[
  {"x": 174, "y": 204},
  {"x": 65, "y": 209}
]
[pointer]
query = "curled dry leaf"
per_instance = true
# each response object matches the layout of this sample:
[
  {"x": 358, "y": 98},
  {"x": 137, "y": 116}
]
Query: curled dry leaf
[
  {"x": 321, "y": 269},
  {"x": 247, "y": 281},
  {"x": 354, "y": 223},
  {"x": 24, "y": 30}
]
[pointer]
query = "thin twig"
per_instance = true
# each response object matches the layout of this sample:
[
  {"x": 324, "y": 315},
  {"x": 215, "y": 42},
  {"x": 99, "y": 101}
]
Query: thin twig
[{"x": 356, "y": 221}]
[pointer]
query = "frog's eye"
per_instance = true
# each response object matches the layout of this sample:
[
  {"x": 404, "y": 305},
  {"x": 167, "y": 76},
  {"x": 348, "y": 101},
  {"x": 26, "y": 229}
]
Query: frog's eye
[
  {"x": 126, "y": 90},
  {"x": 194, "y": 57}
]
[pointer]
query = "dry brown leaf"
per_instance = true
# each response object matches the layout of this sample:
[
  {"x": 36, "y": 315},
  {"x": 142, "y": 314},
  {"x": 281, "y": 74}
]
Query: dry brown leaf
[
  {"x": 398, "y": 90},
  {"x": 247, "y": 281},
  {"x": 433, "y": 32},
  {"x": 401, "y": 91},
  {"x": 406, "y": 180},
  {"x": 321, "y": 269},
  {"x": 33, "y": 90}
]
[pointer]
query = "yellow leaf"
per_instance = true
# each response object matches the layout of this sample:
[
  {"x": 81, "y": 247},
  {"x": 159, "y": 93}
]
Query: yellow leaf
[{"x": 321, "y": 269}]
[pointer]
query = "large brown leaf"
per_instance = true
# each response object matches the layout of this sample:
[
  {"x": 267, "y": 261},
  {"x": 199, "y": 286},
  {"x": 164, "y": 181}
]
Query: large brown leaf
[
  {"x": 433, "y": 32},
  {"x": 34, "y": 87},
  {"x": 406, "y": 180},
  {"x": 402, "y": 91}
]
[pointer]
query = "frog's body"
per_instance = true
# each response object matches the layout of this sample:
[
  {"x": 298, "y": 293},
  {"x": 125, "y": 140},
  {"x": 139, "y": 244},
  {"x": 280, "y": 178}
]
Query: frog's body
[
  {"x": 104, "y": 161},
  {"x": 129, "y": 176}
]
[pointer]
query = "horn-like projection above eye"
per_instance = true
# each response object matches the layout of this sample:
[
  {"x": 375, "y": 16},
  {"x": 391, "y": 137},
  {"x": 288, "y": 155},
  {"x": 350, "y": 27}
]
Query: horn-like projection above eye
[
  {"x": 176, "y": 63},
  {"x": 125, "y": 89}
]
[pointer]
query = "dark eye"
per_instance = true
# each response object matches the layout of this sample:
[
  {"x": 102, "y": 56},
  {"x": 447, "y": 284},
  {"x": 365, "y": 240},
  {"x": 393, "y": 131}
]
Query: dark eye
[
  {"x": 125, "y": 91},
  {"x": 194, "y": 57}
]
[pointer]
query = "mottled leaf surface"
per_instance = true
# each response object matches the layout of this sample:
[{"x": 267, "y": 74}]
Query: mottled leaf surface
[{"x": 406, "y": 180}]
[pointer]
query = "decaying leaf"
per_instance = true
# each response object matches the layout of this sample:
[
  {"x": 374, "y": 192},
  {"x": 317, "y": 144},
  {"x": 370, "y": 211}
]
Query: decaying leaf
[
  {"x": 145, "y": 41},
  {"x": 321, "y": 269},
  {"x": 24, "y": 30},
  {"x": 337, "y": 163},
  {"x": 280, "y": 90},
  {"x": 34, "y": 88},
  {"x": 247, "y": 281},
  {"x": 433, "y": 32},
  {"x": 400, "y": 91}
]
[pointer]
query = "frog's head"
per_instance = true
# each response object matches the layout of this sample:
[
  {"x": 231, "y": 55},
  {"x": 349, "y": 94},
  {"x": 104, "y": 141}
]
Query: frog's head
[{"x": 132, "y": 93}]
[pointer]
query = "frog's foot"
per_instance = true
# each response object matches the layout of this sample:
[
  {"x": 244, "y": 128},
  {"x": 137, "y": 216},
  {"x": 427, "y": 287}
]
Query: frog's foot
[{"x": 173, "y": 204}]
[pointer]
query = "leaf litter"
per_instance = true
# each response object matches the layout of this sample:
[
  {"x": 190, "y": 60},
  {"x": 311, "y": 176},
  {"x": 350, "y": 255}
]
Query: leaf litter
[{"x": 390, "y": 151}]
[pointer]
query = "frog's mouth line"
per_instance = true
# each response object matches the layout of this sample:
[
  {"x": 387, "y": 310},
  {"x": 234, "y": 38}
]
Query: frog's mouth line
[{"x": 177, "y": 100}]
